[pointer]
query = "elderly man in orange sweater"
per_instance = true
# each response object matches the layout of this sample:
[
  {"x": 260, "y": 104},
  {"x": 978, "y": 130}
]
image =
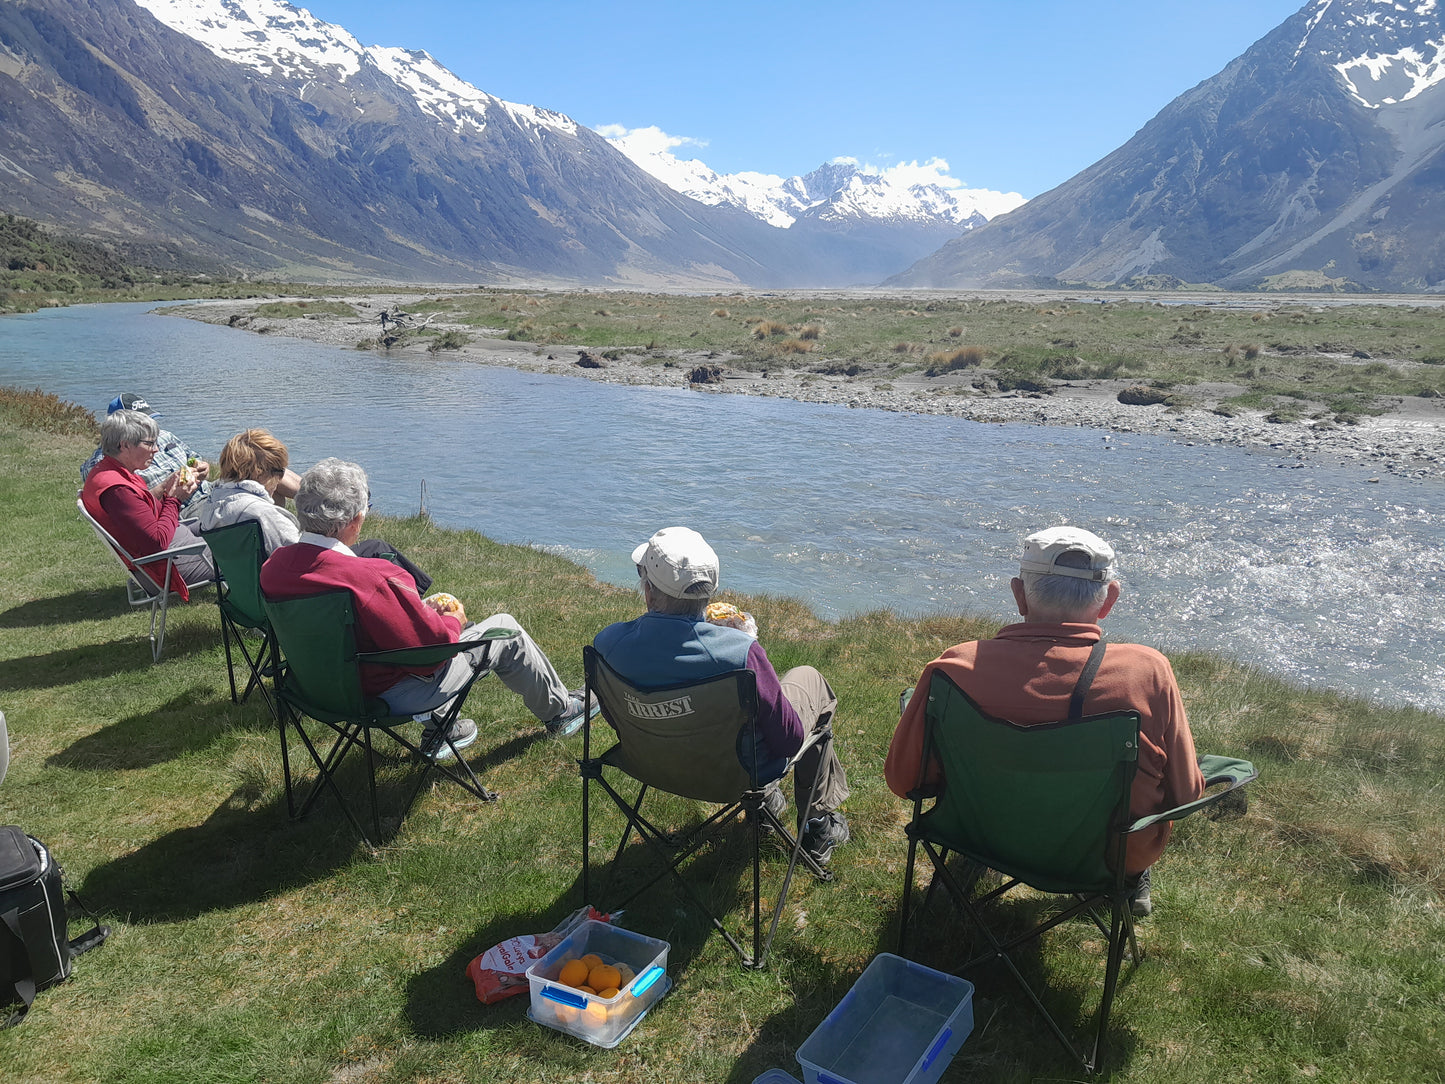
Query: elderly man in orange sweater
[{"x": 1066, "y": 585}]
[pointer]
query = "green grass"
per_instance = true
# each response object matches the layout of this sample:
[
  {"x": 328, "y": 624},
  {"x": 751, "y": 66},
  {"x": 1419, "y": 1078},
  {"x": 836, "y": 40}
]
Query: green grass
[
  {"x": 1302, "y": 941},
  {"x": 1279, "y": 348},
  {"x": 293, "y": 310}
]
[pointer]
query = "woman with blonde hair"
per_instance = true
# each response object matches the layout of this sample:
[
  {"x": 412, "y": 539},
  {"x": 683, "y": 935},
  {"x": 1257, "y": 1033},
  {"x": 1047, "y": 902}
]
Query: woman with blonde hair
[{"x": 254, "y": 481}]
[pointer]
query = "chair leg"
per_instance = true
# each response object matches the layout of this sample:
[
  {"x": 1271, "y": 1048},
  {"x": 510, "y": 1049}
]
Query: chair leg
[
  {"x": 226, "y": 643},
  {"x": 907, "y": 904}
]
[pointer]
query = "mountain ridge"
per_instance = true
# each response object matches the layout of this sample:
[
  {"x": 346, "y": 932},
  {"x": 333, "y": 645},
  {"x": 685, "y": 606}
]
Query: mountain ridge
[{"x": 1278, "y": 171}]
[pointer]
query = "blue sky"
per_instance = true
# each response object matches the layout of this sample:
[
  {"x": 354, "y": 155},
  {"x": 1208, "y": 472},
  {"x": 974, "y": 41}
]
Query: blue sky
[{"x": 1016, "y": 95}]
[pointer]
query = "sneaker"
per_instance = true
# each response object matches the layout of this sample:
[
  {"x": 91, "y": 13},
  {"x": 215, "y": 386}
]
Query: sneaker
[
  {"x": 463, "y": 732},
  {"x": 822, "y": 834},
  {"x": 1140, "y": 902},
  {"x": 570, "y": 721}
]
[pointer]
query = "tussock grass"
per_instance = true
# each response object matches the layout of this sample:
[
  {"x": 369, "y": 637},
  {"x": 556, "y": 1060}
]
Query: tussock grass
[
  {"x": 1305, "y": 935},
  {"x": 293, "y": 310}
]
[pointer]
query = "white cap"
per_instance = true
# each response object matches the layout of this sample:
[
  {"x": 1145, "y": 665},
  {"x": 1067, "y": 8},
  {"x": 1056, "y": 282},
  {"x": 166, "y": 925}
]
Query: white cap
[
  {"x": 678, "y": 562},
  {"x": 1043, "y": 548}
]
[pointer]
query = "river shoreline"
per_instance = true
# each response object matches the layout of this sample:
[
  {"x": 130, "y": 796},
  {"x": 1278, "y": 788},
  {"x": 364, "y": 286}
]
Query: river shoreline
[{"x": 1407, "y": 440}]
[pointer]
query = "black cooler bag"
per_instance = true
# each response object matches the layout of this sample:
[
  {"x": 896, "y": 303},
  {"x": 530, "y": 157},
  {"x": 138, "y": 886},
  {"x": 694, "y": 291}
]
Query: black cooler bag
[{"x": 35, "y": 947}]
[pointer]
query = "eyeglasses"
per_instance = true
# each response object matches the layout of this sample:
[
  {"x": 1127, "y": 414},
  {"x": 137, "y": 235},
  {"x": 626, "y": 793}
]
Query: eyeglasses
[
  {"x": 152, "y": 445},
  {"x": 368, "y": 500}
]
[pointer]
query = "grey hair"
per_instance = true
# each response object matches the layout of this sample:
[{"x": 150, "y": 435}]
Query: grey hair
[
  {"x": 332, "y": 494},
  {"x": 1068, "y": 598},
  {"x": 663, "y": 603},
  {"x": 126, "y": 427}
]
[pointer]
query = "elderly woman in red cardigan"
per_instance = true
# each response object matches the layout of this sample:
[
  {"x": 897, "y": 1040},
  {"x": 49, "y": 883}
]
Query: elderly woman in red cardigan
[{"x": 141, "y": 520}]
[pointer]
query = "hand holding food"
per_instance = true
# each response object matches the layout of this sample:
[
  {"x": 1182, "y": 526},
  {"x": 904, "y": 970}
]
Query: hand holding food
[
  {"x": 725, "y": 613},
  {"x": 444, "y": 603}
]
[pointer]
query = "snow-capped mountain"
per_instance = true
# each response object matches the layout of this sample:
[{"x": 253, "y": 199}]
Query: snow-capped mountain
[
  {"x": 290, "y": 43},
  {"x": 250, "y": 134},
  {"x": 1316, "y": 159},
  {"x": 840, "y": 190}
]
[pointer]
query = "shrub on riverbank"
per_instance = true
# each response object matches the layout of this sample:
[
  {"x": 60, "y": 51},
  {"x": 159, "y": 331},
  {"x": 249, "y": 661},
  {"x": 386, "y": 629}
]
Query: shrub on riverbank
[{"x": 1302, "y": 939}]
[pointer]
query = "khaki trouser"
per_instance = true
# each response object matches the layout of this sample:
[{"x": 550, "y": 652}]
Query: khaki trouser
[{"x": 815, "y": 702}]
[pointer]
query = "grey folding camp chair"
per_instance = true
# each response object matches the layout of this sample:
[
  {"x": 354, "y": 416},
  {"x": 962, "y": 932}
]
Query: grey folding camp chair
[
  {"x": 683, "y": 740},
  {"x": 140, "y": 589}
]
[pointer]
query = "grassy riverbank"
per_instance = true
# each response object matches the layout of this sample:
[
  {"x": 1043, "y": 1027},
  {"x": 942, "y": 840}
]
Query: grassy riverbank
[{"x": 1300, "y": 941}]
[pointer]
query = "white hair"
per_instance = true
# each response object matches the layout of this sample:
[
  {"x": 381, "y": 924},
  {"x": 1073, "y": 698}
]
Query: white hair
[
  {"x": 126, "y": 427},
  {"x": 332, "y": 494},
  {"x": 1068, "y": 598}
]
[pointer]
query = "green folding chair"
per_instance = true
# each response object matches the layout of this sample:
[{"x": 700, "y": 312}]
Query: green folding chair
[
  {"x": 319, "y": 677},
  {"x": 239, "y": 552},
  {"x": 683, "y": 740},
  {"x": 1047, "y": 806}
]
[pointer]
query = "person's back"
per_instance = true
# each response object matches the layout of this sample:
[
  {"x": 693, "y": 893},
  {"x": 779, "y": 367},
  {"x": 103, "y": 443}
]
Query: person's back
[
  {"x": 1027, "y": 673},
  {"x": 673, "y": 643}
]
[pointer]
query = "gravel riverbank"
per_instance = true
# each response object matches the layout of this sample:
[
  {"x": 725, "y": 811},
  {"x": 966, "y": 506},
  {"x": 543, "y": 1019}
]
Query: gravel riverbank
[{"x": 1407, "y": 440}]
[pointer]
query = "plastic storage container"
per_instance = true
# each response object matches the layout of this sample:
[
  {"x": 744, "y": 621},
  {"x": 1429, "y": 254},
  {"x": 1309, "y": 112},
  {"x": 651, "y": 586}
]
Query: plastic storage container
[
  {"x": 600, "y": 1021},
  {"x": 901, "y": 1023}
]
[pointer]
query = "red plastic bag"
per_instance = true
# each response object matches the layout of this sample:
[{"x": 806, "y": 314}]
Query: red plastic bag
[{"x": 501, "y": 971}]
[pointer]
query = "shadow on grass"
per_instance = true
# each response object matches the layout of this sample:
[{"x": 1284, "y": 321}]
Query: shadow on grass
[
  {"x": 186, "y": 723},
  {"x": 63, "y": 609},
  {"x": 246, "y": 850},
  {"x": 442, "y": 1002},
  {"x": 99, "y": 660},
  {"x": 1009, "y": 1040}
]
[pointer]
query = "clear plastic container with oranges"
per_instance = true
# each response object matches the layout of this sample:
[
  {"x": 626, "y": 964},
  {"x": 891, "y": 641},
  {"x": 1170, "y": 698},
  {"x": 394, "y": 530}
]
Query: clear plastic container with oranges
[{"x": 632, "y": 969}]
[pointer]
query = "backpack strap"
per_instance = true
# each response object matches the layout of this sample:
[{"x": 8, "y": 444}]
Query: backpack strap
[
  {"x": 24, "y": 988},
  {"x": 1086, "y": 679},
  {"x": 92, "y": 937}
]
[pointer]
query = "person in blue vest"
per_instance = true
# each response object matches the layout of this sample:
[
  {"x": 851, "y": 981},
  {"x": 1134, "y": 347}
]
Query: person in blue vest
[{"x": 673, "y": 642}]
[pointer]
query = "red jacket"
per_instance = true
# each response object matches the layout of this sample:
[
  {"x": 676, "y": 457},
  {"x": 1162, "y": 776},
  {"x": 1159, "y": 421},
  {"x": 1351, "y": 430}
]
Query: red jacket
[
  {"x": 389, "y": 612},
  {"x": 141, "y": 522}
]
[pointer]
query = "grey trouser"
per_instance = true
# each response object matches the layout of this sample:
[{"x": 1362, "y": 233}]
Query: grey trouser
[
  {"x": 519, "y": 662},
  {"x": 814, "y": 701},
  {"x": 195, "y": 567}
]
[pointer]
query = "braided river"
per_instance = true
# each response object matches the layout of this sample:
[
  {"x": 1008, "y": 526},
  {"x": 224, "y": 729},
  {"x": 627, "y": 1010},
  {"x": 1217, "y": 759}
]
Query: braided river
[{"x": 1324, "y": 574}]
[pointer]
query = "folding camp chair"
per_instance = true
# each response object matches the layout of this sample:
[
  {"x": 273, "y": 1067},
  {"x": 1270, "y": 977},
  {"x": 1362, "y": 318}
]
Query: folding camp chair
[
  {"x": 683, "y": 740},
  {"x": 1047, "y": 806},
  {"x": 319, "y": 677},
  {"x": 239, "y": 552},
  {"x": 140, "y": 589}
]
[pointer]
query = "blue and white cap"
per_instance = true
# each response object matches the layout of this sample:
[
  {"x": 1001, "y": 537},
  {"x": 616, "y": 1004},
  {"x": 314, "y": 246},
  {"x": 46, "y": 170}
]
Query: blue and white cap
[{"x": 130, "y": 401}]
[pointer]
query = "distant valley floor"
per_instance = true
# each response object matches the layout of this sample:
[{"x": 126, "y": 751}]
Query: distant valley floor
[{"x": 1407, "y": 440}]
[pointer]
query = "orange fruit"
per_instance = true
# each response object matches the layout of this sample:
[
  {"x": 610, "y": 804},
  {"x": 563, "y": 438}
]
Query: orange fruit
[
  {"x": 591, "y": 960},
  {"x": 595, "y": 1015},
  {"x": 604, "y": 977},
  {"x": 607, "y": 994},
  {"x": 565, "y": 1013},
  {"x": 587, "y": 990},
  {"x": 573, "y": 973}
]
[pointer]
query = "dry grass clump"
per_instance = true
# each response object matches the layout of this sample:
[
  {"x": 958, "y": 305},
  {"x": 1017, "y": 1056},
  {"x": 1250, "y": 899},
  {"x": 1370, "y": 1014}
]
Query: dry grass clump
[
  {"x": 600, "y": 312},
  {"x": 965, "y": 357},
  {"x": 905, "y": 348},
  {"x": 793, "y": 346},
  {"x": 955, "y": 333},
  {"x": 36, "y": 409},
  {"x": 810, "y": 331},
  {"x": 722, "y": 314},
  {"x": 766, "y": 328},
  {"x": 1251, "y": 351}
]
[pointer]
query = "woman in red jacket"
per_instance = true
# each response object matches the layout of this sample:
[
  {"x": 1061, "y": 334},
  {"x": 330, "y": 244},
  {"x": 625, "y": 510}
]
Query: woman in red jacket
[{"x": 142, "y": 521}]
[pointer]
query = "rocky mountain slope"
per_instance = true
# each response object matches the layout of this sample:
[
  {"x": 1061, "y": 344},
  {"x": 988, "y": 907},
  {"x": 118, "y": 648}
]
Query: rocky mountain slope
[
  {"x": 1315, "y": 160},
  {"x": 274, "y": 142}
]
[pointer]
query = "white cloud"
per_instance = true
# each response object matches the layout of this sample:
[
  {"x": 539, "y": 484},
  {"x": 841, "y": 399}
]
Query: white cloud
[
  {"x": 932, "y": 172},
  {"x": 645, "y": 141}
]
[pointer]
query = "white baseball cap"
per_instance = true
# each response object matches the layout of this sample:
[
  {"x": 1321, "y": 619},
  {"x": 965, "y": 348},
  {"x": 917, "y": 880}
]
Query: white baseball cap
[
  {"x": 678, "y": 562},
  {"x": 1043, "y": 548}
]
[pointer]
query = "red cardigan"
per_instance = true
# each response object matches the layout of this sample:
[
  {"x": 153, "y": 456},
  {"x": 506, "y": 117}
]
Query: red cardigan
[
  {"x": 389, "y": 612},
  {"x": 135, "y": 517}
]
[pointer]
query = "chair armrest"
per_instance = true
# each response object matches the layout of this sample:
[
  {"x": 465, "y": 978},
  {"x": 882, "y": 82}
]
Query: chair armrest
[
  {"x": 1215, "y": 769},
  {"x": 178, "y": 551},
  {"x": 431, "y": 653}
]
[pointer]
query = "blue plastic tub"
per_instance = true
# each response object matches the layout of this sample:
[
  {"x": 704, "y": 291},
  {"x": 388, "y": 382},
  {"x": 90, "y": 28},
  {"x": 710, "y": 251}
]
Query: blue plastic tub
[{"x": 901, "y": 1023}]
